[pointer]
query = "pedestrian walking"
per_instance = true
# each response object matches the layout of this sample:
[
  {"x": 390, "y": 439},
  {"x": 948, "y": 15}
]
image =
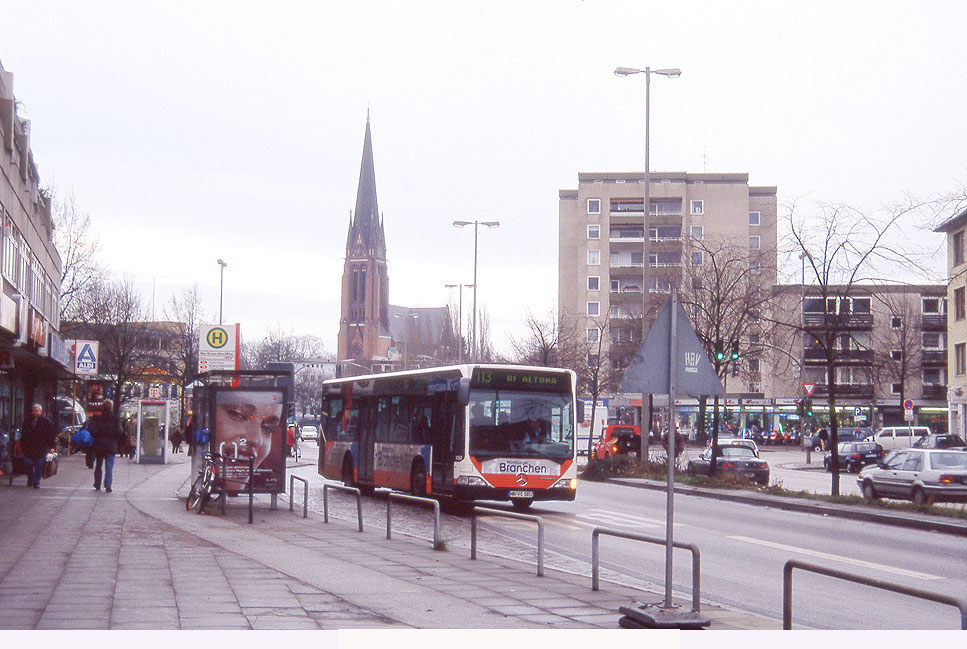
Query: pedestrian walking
[
  {"x": 130, "y": 432},
  {"x": 36, "y": 441},
  {"x": 106, "y": 430},
  {"x": 176, "y": 441}
]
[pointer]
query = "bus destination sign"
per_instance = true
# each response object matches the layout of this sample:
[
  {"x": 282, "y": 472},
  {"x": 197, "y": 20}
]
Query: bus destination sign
[{"x": 501, "y": 379}]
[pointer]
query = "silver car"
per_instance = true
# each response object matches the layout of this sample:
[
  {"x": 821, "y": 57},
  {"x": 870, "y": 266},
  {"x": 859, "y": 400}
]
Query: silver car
[{"x": 921, "y": 475}]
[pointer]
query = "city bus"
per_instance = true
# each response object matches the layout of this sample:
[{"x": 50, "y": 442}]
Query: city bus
[{"x": 466, "y": 432}]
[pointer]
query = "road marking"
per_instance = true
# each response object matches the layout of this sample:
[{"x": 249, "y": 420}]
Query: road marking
[
  {"x": 841, "y": 559},
  {"x": 617, "y": 518}
]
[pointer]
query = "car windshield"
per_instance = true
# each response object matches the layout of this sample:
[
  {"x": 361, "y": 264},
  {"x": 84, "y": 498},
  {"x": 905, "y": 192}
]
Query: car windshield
[
  {"x": 736, "y": 451},
  {"x": 521, "y": 424},
  {"x": 950, "y": 460}
]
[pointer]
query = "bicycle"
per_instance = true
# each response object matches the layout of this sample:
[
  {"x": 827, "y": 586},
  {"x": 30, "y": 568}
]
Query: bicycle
[{"x": 201, "y": 490}]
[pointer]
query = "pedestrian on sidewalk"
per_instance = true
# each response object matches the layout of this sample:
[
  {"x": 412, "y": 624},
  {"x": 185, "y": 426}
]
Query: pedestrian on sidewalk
[
  {"x": 176, "y": 441},
  {"x": 130, "y": 431},
  {"x": 36, "y": 441},
  {"x": 106, "y": 430}
]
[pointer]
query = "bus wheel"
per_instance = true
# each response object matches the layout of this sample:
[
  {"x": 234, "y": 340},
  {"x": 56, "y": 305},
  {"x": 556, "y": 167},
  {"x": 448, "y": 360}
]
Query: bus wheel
[
  {"x": 521, "y": 503},
  {"x": 347, "y": 472},
  {"x": 418, "y": 480}
]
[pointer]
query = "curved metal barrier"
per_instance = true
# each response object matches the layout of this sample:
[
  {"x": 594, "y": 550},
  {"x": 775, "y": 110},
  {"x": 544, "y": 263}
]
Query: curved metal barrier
[
  {"x": 523, "y": 517},
  {"x": 392, "y": 495},
  {"x": 305, "y": 494},
  {"x": 859, "y": 579},
  {"x": 696, "y": 559},
  {"x": 338, "y": 487}
]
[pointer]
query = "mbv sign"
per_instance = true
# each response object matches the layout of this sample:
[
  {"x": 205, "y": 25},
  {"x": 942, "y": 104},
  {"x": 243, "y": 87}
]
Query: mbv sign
[{"x": 85, "y": 357}]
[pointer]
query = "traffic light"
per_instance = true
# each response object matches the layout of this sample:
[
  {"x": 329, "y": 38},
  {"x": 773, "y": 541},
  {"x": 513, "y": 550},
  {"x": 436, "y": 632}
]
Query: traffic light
[
  {"x": 800, "y": 408},
  {"x": 735, "y": 350},
  {"x": 809, "y": 407},
  {"x": 719, "y": 351}
]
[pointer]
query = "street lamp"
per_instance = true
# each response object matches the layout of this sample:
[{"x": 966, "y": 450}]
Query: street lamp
[
  {"x": 476, "y": 226},
  {"x": 460, "y": 318},
  {"x": 645, "y": 288},
  {"x": 221, "y": 288}
]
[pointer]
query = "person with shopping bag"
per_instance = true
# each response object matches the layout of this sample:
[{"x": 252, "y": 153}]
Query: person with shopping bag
[{"x": 36, "y": 441}]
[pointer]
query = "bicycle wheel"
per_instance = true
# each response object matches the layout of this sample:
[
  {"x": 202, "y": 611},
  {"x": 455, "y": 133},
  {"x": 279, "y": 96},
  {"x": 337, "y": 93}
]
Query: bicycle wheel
[
  {"x": 204, "y": 493},
  {"x": 192, "y": 501}
]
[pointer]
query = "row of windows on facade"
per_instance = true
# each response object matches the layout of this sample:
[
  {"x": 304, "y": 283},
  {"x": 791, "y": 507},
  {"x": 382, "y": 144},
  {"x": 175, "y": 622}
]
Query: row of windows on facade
[
  {"x": 656, "y": 259},
  {"x": 658, "y": 207},
  {"x": 657, "y": 233},
  {"x": 21, "y": 267}
]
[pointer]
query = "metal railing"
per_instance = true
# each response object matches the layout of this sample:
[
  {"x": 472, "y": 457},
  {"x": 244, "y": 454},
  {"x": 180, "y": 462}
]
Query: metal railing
[
  {"x": 522, "y": 517},
  {"x": 859, "y": 579},
  {"x": 305, "y": 494},
  {"x": 338, "y": 487},
  {"x": 696, "y": 559},
  {"x": 392, "y": 495}
]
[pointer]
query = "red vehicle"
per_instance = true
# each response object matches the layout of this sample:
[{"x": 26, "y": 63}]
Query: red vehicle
[{"x": 619, "y": 439}]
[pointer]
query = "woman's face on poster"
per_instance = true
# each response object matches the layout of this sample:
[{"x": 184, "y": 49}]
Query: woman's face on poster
[{"x": 245, "y": 423}]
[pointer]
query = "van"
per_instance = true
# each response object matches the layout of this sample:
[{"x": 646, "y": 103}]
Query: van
[{"x": 894, "y": 437}]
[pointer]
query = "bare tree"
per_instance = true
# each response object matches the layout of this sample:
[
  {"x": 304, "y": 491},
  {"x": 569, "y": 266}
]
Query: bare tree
[
  {"x": 186, "y": 309},
  {"x": 79, "y": 248},
  {"x": 842, "y": 248},
  {"x": 308, "y": 390},
  {"x": 280, "y": 345},
  {"x": 540, "y": 345},
  {"x": 485, "y": 343}
]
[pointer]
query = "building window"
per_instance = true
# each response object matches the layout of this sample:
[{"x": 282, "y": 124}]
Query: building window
[
  {"x": 697, "y": 258},
  {"x": 755, "y": 218},
  {"x": 615, "y": 286},
  {"x": 896, "y": 355},
  {"x": 698, "y": 232},
  {"x": 594, "y": 206},
  {"x": 594, "y": 232},
  {"x": 960, "y": 308},
  {"x": 755, "y": 266},
  {"x": 896, "y": 388},
  {"x": 594, "y": 308},
  {"x": 754, "y": 242},
  {"x": 934, "y": 376},
  {"x": 934, "y": 340},
  {"x": 594, "y": 257},
  {"x": 698, "y": 207},
  {"x": 593, "y": 334},
  {"x": 594, "y": 283},
  {"x": 960, "y": 358},
  {"x": 958, "y": 245},
  {"x": 896, "y": 322},
  {"x": 932, "y": 305},
  {"x": 753, "y": 364}
]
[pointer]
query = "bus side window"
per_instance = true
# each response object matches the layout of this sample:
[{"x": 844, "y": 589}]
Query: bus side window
[{"x": 457, "y": 426}]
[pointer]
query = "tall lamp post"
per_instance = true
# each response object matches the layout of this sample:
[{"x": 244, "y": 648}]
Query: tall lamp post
[
  {"x": 476, "y": 227},
  {"x": 460, "y": 317},
  {"x": 221, "y": 288}
]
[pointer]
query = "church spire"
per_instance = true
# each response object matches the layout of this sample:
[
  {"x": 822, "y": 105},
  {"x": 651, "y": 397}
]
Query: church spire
[{"x": 366, "y": 223}]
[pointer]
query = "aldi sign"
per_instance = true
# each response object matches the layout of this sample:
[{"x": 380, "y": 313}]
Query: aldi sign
[{"x": 85, "y": 357}]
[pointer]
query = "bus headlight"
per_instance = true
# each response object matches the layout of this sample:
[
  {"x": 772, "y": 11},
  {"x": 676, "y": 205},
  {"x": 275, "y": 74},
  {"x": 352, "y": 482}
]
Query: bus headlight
[{"x": 471, "y": 481}]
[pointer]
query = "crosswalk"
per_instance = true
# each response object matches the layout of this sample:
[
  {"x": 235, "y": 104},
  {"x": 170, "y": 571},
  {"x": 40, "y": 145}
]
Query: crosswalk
[{"x": 585, "y": 520}]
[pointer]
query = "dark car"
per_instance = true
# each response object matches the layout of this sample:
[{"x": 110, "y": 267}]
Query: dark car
[
  {"x": 853, "y": 456},
  {"x": 941, "y": 441},
  {"x": 732, "y": 460}
]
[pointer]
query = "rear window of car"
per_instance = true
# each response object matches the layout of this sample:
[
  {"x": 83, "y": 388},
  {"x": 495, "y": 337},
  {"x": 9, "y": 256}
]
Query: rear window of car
[
  {"x": 949, "y": 460},
  {"x": 736, "y": 451},
  {"x": 866, "y": 447}
]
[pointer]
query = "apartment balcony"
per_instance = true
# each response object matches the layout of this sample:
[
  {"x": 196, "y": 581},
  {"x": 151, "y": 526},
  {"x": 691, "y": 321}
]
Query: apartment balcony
[
  {"x": 845, "y": 391},
  {"x": 849, "y": 356},
  {"x": 938, "y": 392},
  {"x": 933, "y": 322},
  {"x": 837, "y": 321},
  {"x": 933, "y": 357}
]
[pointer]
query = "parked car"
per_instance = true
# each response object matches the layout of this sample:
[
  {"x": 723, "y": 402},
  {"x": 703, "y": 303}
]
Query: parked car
[
  {"x": 310, "y": 432},
  {"x": 738, "y": 441},
  {"x": 894, "y": 437},
  {"x": 732, "y": 459},
  {"x": 921, "y": 475},
  {"x": 618, "y": 439},
  {"x": 853, "y": 456},
  {"x": 941, "y": 441}
]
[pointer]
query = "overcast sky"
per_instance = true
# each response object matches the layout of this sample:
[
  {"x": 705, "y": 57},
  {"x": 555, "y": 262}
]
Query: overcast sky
[{"x": 193, "y": 131}]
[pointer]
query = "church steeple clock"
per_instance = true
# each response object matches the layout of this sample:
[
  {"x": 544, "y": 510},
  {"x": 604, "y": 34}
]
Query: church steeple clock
[{"x": 364, "y": 322}]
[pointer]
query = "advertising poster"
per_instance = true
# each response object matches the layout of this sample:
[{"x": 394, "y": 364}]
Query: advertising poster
[{"x": 251, "y": 424}]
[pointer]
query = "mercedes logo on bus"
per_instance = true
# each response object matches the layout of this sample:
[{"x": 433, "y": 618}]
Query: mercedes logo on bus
[{"x": 521, "y": 480}]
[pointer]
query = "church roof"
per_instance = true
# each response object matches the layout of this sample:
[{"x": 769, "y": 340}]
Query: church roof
[{"x": 366, "y": 224}]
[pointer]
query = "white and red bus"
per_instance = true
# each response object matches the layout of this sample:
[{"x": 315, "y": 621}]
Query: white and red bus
[{"x": 469, "y": 432}]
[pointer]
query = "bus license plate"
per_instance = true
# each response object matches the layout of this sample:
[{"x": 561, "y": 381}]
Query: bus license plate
[{"x": 521, "y": 494}]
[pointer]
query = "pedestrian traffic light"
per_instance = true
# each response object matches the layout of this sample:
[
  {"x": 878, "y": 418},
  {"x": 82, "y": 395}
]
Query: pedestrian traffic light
[
  {"x": 719, "y": 351},
  {"x": 800, "y": 408},
  {"x": 735, "y": 350},
  {"x": 809, "y": 407}
]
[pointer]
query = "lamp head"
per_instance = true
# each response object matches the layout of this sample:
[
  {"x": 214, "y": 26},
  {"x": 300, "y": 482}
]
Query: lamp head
[
  {"x": 624, "y": 72},
  {"x": 460, "y": 224},
  {"x": 674, "y": 73},
  {"x": 491, "y": 224}
]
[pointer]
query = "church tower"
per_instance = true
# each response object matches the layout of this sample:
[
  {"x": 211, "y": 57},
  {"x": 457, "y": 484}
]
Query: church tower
[{"x": 364, "y": 328}]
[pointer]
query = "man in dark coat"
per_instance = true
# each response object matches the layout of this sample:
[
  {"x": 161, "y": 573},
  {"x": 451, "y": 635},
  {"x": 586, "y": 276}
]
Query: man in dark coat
[
  {"x": 105, "y": 428},
  {"x": 36, "y": 441}
]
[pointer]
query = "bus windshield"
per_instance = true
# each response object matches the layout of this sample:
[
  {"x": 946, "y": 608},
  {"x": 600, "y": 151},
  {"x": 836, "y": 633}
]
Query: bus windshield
[{"x": 521, "y": 424}]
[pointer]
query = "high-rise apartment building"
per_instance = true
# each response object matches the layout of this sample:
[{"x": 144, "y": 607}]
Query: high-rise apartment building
[
  {"x": 956, "y": 230},
  {"x": 602, "y": 243}
]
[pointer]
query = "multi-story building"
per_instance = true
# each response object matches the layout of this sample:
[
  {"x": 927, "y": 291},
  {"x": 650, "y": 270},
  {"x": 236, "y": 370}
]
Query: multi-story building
[
  {"x": 33, "y": 356},
  {"x": 955, "y": 229}
]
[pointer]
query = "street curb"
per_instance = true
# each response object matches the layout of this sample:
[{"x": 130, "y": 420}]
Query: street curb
[{"x": 920, "y": 522}]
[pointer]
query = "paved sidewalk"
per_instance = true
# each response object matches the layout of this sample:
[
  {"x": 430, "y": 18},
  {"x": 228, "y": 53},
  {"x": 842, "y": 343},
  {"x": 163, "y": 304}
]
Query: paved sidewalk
[{"x": 135, "y": 559}]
